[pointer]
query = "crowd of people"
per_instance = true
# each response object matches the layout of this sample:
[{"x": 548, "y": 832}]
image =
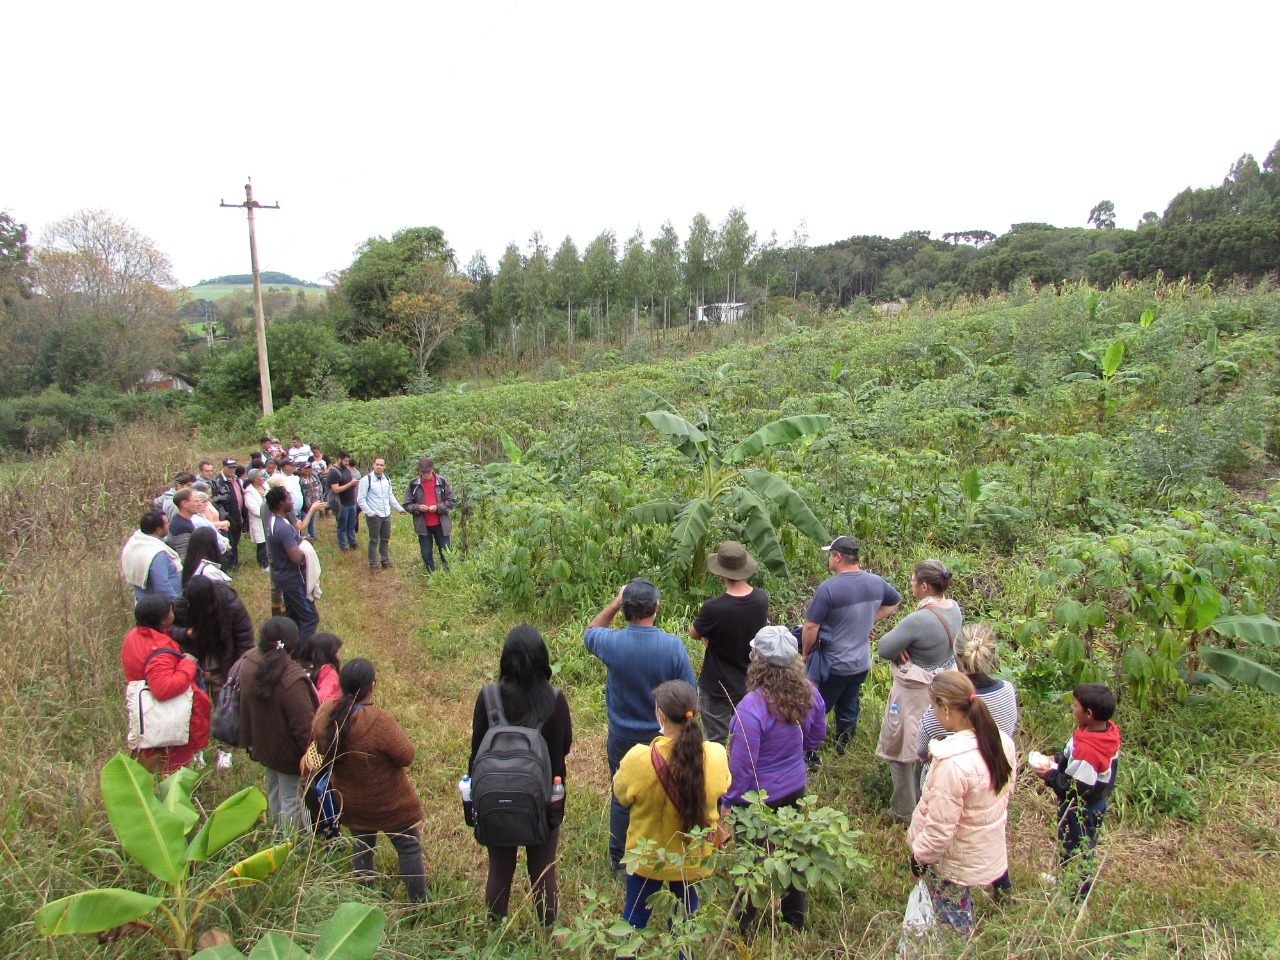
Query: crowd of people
[{"x": 682, "y": 752}]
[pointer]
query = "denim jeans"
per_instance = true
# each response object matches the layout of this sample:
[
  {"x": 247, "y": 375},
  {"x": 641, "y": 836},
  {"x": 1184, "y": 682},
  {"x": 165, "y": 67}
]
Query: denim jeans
[
  {"x": 347, "y": 526},
  {"x": 636, "y": 910},
  {"x": 379, "y": 540},
  {"x": 408, "y": 846},
  {"x": 619, "y": 816},
  {"x": 425, "y": 541},
  {"x": 843, "y": 694},
  {"x": 301, "y": 611},
  {"x": 1078, "y": 827}
]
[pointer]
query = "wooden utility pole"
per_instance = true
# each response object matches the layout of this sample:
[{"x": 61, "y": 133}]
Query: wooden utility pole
[{"x": 260, "y": 324}]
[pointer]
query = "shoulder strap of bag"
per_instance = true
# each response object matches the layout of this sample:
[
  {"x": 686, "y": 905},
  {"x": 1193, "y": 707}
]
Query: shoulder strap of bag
[
  {"x": 157, "y": 652},
  {"x": 664, "y": 775},
  {"x": 950, "y": 641},
  {"x": 493, "y": 706}
]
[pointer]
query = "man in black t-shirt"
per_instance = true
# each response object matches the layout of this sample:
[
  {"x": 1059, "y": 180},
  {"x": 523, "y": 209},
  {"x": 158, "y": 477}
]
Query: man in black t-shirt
[
  {"x": 341, "y": 480},
  {"x": 725, "y": 625}
]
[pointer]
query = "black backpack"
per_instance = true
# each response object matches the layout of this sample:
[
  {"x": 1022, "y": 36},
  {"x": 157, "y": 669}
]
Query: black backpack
[{"x": 510, "y": 781}]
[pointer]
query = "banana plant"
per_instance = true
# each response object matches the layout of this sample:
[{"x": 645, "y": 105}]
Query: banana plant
[
  {"x": 352, "y": 933},
  {"x": 1228, "y": 663},
  {"x": 749, "y": 495},
  {"x": 155, "y": 830},
  {"x": 1107, "y": 370}
]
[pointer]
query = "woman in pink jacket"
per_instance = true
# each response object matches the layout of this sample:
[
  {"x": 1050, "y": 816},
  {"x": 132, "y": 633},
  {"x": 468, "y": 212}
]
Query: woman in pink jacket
[{"x": 957, "y": 833}]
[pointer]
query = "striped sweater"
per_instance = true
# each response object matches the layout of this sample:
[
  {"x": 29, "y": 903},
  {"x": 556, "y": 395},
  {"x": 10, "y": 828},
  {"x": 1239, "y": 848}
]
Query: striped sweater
[{"x": 1001, "y": 699}]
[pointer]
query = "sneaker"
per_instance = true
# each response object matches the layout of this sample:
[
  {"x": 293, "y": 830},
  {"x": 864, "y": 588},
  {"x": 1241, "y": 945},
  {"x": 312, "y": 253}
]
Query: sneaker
[{"x": 224, "y": 760}]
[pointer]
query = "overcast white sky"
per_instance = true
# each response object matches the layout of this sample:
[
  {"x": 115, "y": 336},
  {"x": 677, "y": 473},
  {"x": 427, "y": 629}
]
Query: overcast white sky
[{"x": 493, "y": 120}]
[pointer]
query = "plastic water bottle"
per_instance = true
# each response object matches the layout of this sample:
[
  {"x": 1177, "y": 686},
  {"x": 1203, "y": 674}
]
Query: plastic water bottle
[
  {"x": 895, "y": 718},
  {"x": 468, "y": 808},
  {"x": 556, "y": 812}
]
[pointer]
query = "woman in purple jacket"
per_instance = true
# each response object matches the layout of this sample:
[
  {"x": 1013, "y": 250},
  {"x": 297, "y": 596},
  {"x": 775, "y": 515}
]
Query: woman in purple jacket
[{"x": 780, "y": 718}]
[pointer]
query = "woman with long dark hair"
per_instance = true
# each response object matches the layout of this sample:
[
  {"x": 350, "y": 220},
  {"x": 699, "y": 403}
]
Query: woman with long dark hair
[
  {"x": 918, "y": 647},
  {"x": 528, "y": 700},
  {"x": 957, "y": 832},
  {"x": 204, "y": 557},
  {"x": 781, "y": 717},
  {"x": 149, "y": 653},
  {"x": 211, "y": 622},
  {"x": 318, "y": 655},
  {"x": 277, "y": 706},
  {"x": 368, "y": 754},
  {"x": 672, "y": 787}
]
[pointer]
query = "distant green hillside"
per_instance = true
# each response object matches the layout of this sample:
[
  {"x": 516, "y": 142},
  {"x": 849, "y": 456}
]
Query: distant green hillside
[
  {"x": 215, "y": 290},
  {"x": 269, "y": 277}
]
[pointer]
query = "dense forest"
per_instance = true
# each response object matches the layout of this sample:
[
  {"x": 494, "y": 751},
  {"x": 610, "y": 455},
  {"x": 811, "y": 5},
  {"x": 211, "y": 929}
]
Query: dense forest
[{"x": 91, "y": 309}]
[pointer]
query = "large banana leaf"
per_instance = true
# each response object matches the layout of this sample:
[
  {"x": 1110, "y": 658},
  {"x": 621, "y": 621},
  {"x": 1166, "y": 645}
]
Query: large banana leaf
[
  {"x": 790, "y": 504},
  {"x": 1112, "y": 359},
  {"x": 223, "y": 951},
  {"x": 1240, "y": 669},
  {"x": 657, "y": 400},
  {"x": 779, "y": 431},
  {"x": 277, "y": 946},
  {"x": 352, "y": 933},
  {"x": 693, "y": 523},
  {"x": 759, "y": 530},
  {"x": 655, "y": 511},
  {"x": 1255, "y": 629},
  {"x": 509, "y": 447},
  {"x": 175, "y": 796},
  {"x": 93, "y": 911},
  {"x": 149, "y": 833},
  {"x": 255, "y": 868},
  {"x": 233, "y": 818},
  {"x": 691, "y": 441}
]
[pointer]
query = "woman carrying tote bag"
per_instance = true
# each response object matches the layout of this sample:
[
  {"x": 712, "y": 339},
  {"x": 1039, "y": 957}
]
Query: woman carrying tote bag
[
  {"x": 149, "y": 654},
  {"x": 918, "y": 647}
]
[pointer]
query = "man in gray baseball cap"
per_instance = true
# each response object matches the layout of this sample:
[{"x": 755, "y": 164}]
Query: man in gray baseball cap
[
  {"x": 725, "y": 625},
  {"x": 837, "y": 633},
  {"x": 638, "y": 658}
]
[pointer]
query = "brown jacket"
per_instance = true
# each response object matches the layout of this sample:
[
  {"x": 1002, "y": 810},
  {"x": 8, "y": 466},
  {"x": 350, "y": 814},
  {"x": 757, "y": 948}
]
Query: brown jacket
[
  {"x": 276, "y": 731},
  {"x": 370, "y": 776}
]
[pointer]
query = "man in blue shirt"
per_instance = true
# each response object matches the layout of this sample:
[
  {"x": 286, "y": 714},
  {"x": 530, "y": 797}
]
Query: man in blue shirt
[
  {"x": 639, "y": 657},
  {"x": 149, "y": 564},
  {"x": 284, "y": 546},
  {"x": 839, "y": 621}
]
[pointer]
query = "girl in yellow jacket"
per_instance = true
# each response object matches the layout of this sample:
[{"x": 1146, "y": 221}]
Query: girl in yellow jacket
[{"x": 671, "y": 786}]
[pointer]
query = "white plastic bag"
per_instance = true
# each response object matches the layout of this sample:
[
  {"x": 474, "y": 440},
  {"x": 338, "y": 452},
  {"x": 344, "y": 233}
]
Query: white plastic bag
[
  {"x": 157, "y": 723},
  {"x": 917, "y": 923}
]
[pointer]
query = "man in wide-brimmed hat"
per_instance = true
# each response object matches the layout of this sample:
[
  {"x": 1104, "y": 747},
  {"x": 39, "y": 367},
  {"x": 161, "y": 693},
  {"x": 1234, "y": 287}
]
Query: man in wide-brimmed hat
[{"x": 725, "y": 625}]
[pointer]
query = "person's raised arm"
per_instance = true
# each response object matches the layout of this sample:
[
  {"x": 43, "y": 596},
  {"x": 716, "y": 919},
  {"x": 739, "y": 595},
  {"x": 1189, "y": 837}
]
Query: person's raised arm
[{"x": 605, "y": 617}]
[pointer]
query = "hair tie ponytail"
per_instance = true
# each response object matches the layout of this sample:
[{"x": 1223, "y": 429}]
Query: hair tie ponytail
[
  {"x": 688, "y": 714},
  {"x": 973, "y": 697}
]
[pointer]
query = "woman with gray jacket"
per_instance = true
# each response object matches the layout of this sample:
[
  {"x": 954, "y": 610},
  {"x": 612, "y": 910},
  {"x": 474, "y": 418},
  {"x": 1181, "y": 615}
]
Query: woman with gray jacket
[{"x": 918, "y": 647}]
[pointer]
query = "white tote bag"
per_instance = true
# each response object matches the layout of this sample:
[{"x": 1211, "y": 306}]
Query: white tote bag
[{"x": 157, "y": 723}]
